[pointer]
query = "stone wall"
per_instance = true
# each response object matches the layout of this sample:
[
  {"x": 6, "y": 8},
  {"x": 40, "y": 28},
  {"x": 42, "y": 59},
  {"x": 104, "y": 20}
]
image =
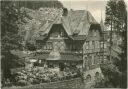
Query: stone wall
[{"x": 94, "y": 74}]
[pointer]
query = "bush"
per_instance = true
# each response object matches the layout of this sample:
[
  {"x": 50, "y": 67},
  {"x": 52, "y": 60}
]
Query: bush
[{"x": 38, "y": 75}]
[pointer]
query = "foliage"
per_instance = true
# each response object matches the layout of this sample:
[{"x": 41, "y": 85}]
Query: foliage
[
  {"x": 37, "y": 4},
  {"x": 112, "y": 74},
  {"x": 12, "y": 22},
  {"x": 9, "y": 26},
  {"x": 30, "y": 47},
  {"x": 34, "y": 19},
  {"x": 116, "y": 12},
  {"x": 37, "y": 75},
  {"x": 116, "y": 16},
  {"x": 10, "y": 39}
]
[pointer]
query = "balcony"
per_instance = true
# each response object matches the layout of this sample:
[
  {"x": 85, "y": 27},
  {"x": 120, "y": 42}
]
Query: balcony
[
  {"x": 65, "y": 55},
  {"x": 92, "y": 50},
  {"x": 65, "y": 52},
  {"x": 71, "y": 52}
]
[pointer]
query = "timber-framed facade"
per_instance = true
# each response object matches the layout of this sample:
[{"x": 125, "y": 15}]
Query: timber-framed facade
[{"x": 74, "y": 38}]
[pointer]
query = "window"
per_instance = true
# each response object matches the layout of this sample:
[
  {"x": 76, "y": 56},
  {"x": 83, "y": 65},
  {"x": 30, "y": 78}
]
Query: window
[
  {"x": 50, "y": 47},
  {"x": 73, "y": 47},
  {"x": 98, "y": 44},
  {"x": 62, "y": 34},
  {"x": 90, "y": 45},
  {"x": 95, "y": 32},
  {"x": 93, "y": 44},
  {"x": 96, "y": 58},
  {"x": 55, "y": 34},
  {"x": 47, "y": 46},
  {"x": 88, "y": 78},
  {"x": 97, "y": 76},
  {"x": 87, "y": 45},
  {"x": 105, "y": 46},
  {"x": 89, "y": 59},
  {"x": 70, "y": 47},
  {"x": 93, "y": 59},
  {"x": 39, "y": 47},
  {"x": 105, "y": 58},
  {"x": 39, "y": 61},
  {"x": 101, "y": 44},
  {"x": 99, "y": 58}
]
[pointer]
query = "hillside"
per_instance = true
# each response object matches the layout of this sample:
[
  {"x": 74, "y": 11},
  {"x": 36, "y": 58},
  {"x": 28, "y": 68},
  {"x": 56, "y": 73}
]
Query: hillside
[
  {"x": 35, "y": 5},
  {"x": 38, "y": 14}
]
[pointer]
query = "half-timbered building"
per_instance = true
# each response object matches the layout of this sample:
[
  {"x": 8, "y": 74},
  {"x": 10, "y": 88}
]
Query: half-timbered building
[{"x": 71, "y": 39}]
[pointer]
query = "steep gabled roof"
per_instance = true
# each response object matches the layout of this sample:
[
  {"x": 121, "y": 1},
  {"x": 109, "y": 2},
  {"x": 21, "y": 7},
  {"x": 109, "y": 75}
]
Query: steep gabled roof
[{"x": 76, "y": 22}]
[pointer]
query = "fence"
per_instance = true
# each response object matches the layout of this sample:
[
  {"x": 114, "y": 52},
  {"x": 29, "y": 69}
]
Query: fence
[{"x": 76, "y": 83}]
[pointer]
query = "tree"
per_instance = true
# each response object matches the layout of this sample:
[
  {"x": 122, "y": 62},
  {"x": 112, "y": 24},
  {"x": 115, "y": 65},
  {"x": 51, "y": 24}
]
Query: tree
[
  {"x": 116, "y": 18},
  {"x": 32, "y": 23},
  {"x": 30, "y": 47},
  {"x": 122, "y": 63},
  {"x": 12, "y": 20},
  {"x": 10, "y": 39},
  {"x": 42, "y": 3}
]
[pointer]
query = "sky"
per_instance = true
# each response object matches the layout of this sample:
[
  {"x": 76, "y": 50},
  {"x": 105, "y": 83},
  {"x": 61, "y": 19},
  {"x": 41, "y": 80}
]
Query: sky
[{"x": 95, "y": 7}]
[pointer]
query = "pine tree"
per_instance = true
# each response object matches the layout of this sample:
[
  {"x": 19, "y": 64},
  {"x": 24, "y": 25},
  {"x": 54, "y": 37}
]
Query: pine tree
[
  {"x": 10, "y": 39},
  {"x": 122, "y": 62},
  {"x": 116, "y": 18}
]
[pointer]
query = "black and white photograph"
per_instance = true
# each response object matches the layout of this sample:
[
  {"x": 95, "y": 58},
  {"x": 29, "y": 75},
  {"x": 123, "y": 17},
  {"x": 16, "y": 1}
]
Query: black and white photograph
[{"x": 63, "y": 44}]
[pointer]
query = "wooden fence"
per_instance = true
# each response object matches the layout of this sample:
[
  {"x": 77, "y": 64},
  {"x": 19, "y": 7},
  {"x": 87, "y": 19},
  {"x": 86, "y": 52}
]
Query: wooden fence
[{"x": 76, "y": 83}]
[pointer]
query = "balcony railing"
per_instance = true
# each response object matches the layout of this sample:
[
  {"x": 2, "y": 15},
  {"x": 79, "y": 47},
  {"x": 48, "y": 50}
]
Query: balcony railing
[
  {"x": 93, "y": 50},
  {"x": 65, "y": 51}
]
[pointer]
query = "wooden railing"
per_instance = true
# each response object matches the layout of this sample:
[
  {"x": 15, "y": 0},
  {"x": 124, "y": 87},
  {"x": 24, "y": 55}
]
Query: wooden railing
[
  {"x": 65, "y": 51},
  {"x": 75, "y": 83}
]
